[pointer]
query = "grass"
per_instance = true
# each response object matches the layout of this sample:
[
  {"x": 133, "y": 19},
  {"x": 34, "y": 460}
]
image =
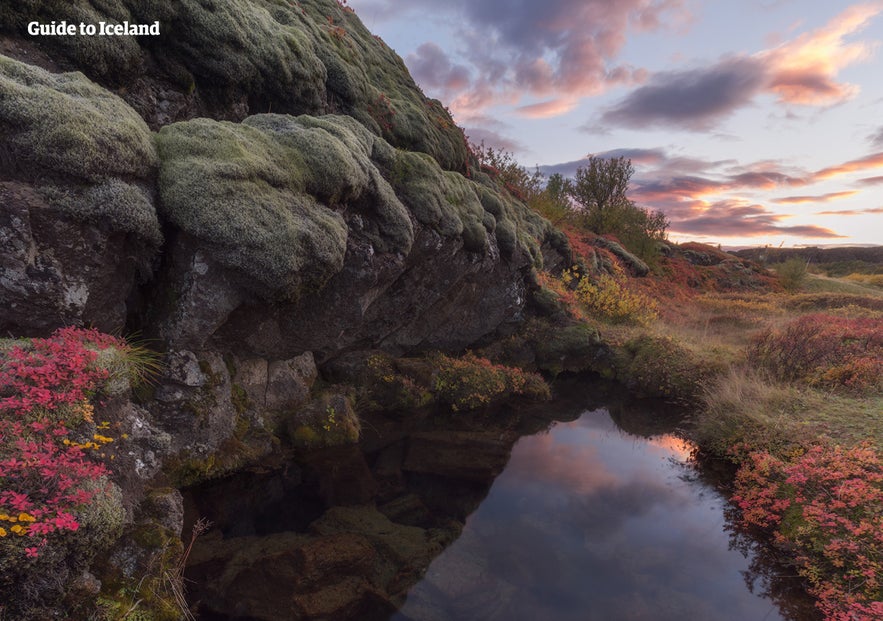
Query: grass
[{"x": 817, "y": 283}]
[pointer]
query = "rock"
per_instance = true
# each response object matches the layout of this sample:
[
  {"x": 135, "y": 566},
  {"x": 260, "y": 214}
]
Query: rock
[
  {"x": 285, "y": 576},
  {"x": 289, "y": 383},
  {"x": 328, "y": 420},
  {"x": 56, "y": 271},
  {"x": 633, "y": 263}
]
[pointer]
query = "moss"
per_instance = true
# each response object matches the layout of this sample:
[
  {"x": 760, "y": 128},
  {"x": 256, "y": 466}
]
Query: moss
[
  {"x": 262, "y": 194},
  {"x": 454, "y": 207},
  {"x": 570, "y": 348},
  {"x": 660, "y": 367},
  {"x": 124, "y": 207},
  {"x": 239, "y": 398},
  {"x": 111, "y": 57},
  {"x": 328, "y": 420},
  {"x": 65, "y": 124}
]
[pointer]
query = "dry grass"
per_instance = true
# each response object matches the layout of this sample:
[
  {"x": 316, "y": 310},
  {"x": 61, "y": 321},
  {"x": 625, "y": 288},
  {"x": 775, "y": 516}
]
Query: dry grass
[{"x": 745, "y": 406}]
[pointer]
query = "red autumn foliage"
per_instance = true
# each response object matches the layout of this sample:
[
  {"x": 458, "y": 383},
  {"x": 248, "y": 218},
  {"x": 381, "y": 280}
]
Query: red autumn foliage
[
  {"x": 826, "y": 508},
  {"x": 824, "y": 350},
  {"x": 44, "y": 477}
]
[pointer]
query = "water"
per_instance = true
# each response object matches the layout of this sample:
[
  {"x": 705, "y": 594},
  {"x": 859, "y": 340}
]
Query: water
[
  {"x": 590, "y": 522},
  {"x": 463, "y": 519}
]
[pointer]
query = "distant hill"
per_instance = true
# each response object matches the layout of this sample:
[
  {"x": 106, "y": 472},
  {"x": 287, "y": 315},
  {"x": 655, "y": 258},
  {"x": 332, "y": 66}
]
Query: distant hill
[{"x": 872, "y": 254}]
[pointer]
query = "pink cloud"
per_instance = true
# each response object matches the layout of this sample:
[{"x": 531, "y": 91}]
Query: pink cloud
[
  {"x": 851, "y": 212},
  {"x": 804, "y": 71},
  {"x": 869, "y": 162},
  {"x": 820, "y": 198},
  {"x": 557, "y": 50},
  {"x": 801, "y": 71}
]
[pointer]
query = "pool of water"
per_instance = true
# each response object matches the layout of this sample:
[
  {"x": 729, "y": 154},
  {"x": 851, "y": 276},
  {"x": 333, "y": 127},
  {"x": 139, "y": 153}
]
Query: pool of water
[
  {"x": 584, "y": 508},
  {"x": 590, "y": 522}
]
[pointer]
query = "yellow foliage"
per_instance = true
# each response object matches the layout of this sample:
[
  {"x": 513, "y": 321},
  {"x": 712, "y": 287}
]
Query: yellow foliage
[{"x": 610, "y": 299}]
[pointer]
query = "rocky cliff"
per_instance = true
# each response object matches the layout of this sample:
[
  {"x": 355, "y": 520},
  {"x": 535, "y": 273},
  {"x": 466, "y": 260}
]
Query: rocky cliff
[
  {"x": 263, "y": 192},
  {"x": 263, "y": 177}
]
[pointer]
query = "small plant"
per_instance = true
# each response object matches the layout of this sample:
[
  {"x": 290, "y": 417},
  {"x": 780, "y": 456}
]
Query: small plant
[
  {"x": 824, "y": 350},
  {"x": 826, "y": 507},
  {"x": 792, "y": 273},
  {"x": 471, "y": 382},
  {"x": 610, "y": 299}
]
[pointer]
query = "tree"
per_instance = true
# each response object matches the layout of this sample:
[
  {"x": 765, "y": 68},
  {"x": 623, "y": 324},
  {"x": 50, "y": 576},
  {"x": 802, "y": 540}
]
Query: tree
[{"x": 600, "y": 188}]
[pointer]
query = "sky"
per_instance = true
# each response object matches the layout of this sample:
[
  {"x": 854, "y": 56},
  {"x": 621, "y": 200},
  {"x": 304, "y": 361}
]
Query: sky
[{"x": 748, "y": 123}]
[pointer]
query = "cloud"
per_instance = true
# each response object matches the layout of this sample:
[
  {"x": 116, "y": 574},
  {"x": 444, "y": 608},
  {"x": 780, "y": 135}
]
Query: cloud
[
  {"x": 851, "y": 212},
  {"x": 820, "y": 198},
  {"x": 431, "y": 67},
  {"x": 876, "y": 138},
  {"x": 869, "y": 162},
  {"x": 766, "y": 180},
  {"x": 803, "y": 71},
  {"x": 735, "y": 219},
  {"x": 694, "y": 99},
  {"x": 721, "y": 198},
  {"x": 555, "y": 51},
  {"x": 553, "y": 107}
]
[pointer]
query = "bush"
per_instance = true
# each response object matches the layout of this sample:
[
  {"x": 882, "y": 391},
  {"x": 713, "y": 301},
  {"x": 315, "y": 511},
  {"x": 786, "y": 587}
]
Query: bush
[
  {"x": 471, "y": 382},
  {"x": 57, "y": 508},
  {"x": 826, "y": 507},
  {"x": 792, "y": 273},
  {"x": 824, "y": 350},
  {"x": 609, "y": 299}
]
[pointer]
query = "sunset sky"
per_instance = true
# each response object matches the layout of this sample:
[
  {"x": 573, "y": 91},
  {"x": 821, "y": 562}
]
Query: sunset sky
[{"x": 749, "y": 123}]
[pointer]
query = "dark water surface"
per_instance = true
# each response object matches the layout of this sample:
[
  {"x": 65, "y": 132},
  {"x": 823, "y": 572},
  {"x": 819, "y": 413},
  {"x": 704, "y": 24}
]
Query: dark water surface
[
  {"x": 590, "y": 522},
  {"x": 513, "y": 518}
]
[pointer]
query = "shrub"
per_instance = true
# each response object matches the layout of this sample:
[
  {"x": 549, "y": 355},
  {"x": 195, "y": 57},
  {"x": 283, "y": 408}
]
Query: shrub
[
  {"x": 471, "y": 382},
  {"x": 792, "y": 273},
  {"x": 826, "y": 507},
  {"x": 824, "y": 350},
  {"x": 610, "y": 299},
  {"x": 391, "y": 388},
  {"x": 660, "y": 367},
  {"x": 57, "y": 507}
]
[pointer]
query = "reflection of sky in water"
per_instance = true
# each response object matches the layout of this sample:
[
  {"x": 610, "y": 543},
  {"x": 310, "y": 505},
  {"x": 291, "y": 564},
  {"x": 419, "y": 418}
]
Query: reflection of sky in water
[{"x": 586, "y": 523}]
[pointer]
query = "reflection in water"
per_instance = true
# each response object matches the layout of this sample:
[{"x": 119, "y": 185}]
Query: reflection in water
[
  {"x": 504, "y": 516},
  {"x": 588, "y": 522}
]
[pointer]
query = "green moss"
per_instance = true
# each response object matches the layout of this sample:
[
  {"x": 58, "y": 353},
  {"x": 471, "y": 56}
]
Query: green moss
[
  {"x": 328, "y": 420},
  {"x": 239, "y": 398},
  {"x": 110, "y": 57},
  {"x": 571, "y": 348},
  {"x": 660, "y": 367},
  {"x": 263, "y": 194},
  {"x": 124, "y": 207},
  {"x": 65, "y": 124}
]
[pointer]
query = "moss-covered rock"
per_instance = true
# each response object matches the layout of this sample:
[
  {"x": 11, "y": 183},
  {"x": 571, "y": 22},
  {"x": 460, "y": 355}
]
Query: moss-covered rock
[
  {"x": 265, "y": 195},
  {"x": 239, "y": 56},
  {"x": 660, "y": 367},
  {"x": 64, "y": 125},
  {"x": 328, "y": 420}
]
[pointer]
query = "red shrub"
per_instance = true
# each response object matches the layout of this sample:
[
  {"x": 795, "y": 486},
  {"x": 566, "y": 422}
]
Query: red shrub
[
  {"x": 824, "y": 350},
  {"x": 44, "y": 476},
  {"x": 826, "y": 507}
]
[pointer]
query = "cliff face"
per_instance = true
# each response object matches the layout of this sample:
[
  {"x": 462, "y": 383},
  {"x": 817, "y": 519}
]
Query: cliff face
[
  {"x": 262, "y": 189},
  {"x": 263, "y": 178}
]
